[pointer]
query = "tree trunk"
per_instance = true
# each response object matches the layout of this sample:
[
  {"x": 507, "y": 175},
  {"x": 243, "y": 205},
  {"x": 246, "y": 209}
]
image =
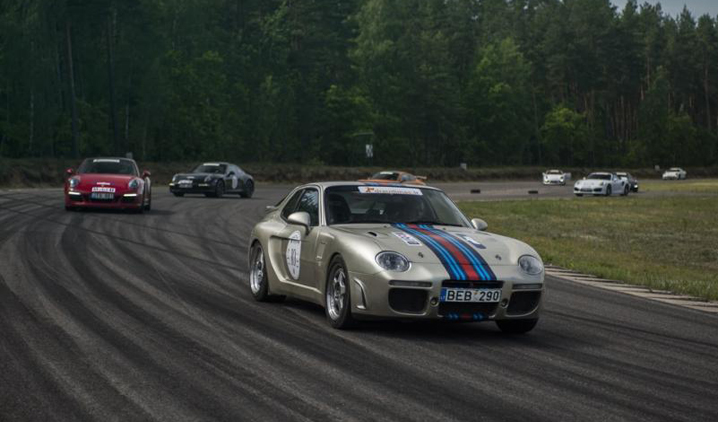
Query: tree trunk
[
  {"x": 73, "y": 99},
  {"x": 117, "y": 148},
  {"x": 707, "y": 97},
  {"x": 31, "y": 138}
]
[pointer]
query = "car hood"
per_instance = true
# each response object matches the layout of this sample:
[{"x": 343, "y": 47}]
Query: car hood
[
  {"x": 591, "y": 183},
  {"x": 494, "y": 249},
  {"x": 196, "y": 176},
  {"x": 113, "y": 180}
]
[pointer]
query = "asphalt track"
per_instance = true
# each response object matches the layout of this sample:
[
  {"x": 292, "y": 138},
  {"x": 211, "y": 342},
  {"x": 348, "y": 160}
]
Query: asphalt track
[{"x": 111, "y": 316}]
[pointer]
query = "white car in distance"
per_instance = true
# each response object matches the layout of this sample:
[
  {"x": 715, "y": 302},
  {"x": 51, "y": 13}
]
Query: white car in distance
[
  {"x": 555, "y": 177},
  {"x": 674, "y": 173},
  {"x": 601, "y": 184}
]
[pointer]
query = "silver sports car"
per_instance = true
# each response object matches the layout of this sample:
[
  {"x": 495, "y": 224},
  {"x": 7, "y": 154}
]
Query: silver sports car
[{"x": 370, "y": 251}]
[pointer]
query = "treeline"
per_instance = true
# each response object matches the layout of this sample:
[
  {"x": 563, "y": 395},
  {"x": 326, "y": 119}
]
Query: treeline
[{"x": 427, "y": 82}]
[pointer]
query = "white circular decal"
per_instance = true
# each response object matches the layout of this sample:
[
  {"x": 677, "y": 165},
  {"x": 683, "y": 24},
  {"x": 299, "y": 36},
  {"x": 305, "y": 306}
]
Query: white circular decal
[{"x": 294, "y": 251}]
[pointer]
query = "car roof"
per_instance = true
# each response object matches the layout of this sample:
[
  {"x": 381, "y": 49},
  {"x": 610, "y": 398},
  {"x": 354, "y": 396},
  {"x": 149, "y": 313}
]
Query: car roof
[
  {"x": 330, "y": 184},
  {"x": 110, "y": 158}
]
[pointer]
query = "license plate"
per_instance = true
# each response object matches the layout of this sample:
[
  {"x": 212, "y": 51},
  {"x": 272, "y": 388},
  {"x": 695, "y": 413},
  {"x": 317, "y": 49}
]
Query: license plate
[
  {"x": 103, "y": 189},
  {"x": 185, "y": 185},
  {"x": 99, "y": 195},
  {"x": 470, "y": 295}
]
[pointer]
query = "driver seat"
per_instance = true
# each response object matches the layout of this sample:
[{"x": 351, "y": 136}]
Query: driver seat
[{"x": 339, "y": 211}]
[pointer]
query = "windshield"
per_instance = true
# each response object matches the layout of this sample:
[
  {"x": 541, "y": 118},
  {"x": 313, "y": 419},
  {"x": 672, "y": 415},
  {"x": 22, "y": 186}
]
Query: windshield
[
  {"x": 108, "y": 166},
  {"x": 555, "y": 172},
  {"x": 675, "y": 169},
  {"x": 372, "y": 204},
  {"x": 385, "y": 175},
  {"x": 210, "y": 168},
  {"x": 599, "y": 176}
]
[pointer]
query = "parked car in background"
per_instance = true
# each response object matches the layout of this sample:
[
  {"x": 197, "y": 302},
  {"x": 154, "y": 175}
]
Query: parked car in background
[
  {"x": 555, "y": 177},
  {"x": 114, "y": 183},
  {"x": 632, "y": 181},
  {"x": 213, "y": 179},
  {"x": 395, "y": 177},
  {"x": 605, "y": 184},
  {"x": 674, "y": 173}
]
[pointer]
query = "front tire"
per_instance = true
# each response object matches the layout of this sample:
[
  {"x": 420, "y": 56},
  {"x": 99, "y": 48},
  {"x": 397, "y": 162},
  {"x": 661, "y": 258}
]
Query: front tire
[
  {"x": 517, "y": 326},
  {"x": 626, "y": 190},
  {"x": 219, "y": 189},
  {"x": 579, "y": 194},
  {"x": 178, "y": 194},
  {"x": 609, "y": 191},
  {"x": 337, "y": 297},
  {"x": 258, "y": 282},
  {"x": 248, "y": 190}
]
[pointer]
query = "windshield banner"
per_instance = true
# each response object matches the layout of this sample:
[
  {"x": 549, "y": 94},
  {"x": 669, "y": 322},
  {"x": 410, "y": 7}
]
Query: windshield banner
[{"x": 390, "y": 190}]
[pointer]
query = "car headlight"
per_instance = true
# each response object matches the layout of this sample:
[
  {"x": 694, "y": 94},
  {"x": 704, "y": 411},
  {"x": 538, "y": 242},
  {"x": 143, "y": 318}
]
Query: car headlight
[
  {"x": 134, "y": 184},
  {"x": 392, "y": 261},
  {"x": 531, "y": 265},
  {"x": 74, "y": 182}
]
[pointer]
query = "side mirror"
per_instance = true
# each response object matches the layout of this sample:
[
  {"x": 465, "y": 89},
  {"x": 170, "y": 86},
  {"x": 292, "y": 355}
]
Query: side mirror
[
  {"x": 479, "y": 224},
  {"x": 70, "y": 172},
  {"x": 146, "y": 174},
  {"x": 231, "y": 173},
  {"x": 300, "y": 218}
]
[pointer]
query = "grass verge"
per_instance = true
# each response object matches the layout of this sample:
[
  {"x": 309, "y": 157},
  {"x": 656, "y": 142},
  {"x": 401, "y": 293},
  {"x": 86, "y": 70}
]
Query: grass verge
[
  {"x": 668, "y": 243},
  {"x": 698, "y": 185}
]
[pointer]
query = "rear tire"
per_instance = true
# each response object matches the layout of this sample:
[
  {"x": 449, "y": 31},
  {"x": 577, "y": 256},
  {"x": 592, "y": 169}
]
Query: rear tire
[
  {"x": 517, "y": 326},
  {"x": 625, "y": 191},
  {"x": 69, "y": 208},
  {"x": 337, "y": 296}
]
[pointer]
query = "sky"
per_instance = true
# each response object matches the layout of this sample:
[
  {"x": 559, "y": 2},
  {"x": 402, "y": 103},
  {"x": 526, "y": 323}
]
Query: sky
[{"x": 674, "y": 7}]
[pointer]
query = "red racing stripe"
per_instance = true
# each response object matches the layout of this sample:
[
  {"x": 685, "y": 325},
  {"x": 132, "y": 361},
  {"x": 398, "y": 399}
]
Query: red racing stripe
[{"x": 459, "y": 256}]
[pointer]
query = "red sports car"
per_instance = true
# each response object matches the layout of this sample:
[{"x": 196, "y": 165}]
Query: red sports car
[{"x": 108, "y": 183}]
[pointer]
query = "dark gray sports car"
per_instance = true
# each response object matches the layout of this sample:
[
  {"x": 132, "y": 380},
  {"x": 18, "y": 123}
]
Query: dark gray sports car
[{"x": 213, "y": 179}]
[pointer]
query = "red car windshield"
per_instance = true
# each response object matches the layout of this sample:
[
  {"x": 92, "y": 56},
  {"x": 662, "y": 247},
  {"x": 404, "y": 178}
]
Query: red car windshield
[
  {"x": 385, "y": 175},
  {"x": 108, "y": 166}
]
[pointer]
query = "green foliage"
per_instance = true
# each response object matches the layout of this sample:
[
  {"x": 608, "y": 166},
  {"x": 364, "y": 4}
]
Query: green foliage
[{"x": 427, "y": 82}]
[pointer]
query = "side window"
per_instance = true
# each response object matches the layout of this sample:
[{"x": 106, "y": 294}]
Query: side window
[
  {"x": 291, "y": 204},
  {"x": 310, "y": 204}
]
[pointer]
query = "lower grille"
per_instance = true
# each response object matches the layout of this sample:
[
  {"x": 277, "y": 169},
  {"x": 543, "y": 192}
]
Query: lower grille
[
  {"x": 523, "y": 302},
  {"x": 463, "y": 309},
  {"x": 411, "y": 301}
]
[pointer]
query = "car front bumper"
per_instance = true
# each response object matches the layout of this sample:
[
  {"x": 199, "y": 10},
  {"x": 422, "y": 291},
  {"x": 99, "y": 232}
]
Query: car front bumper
[
  {"x": 195, "y": 188},
  {"x": 415, "y": 295},
  {"x": 120, "y": 200}
]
